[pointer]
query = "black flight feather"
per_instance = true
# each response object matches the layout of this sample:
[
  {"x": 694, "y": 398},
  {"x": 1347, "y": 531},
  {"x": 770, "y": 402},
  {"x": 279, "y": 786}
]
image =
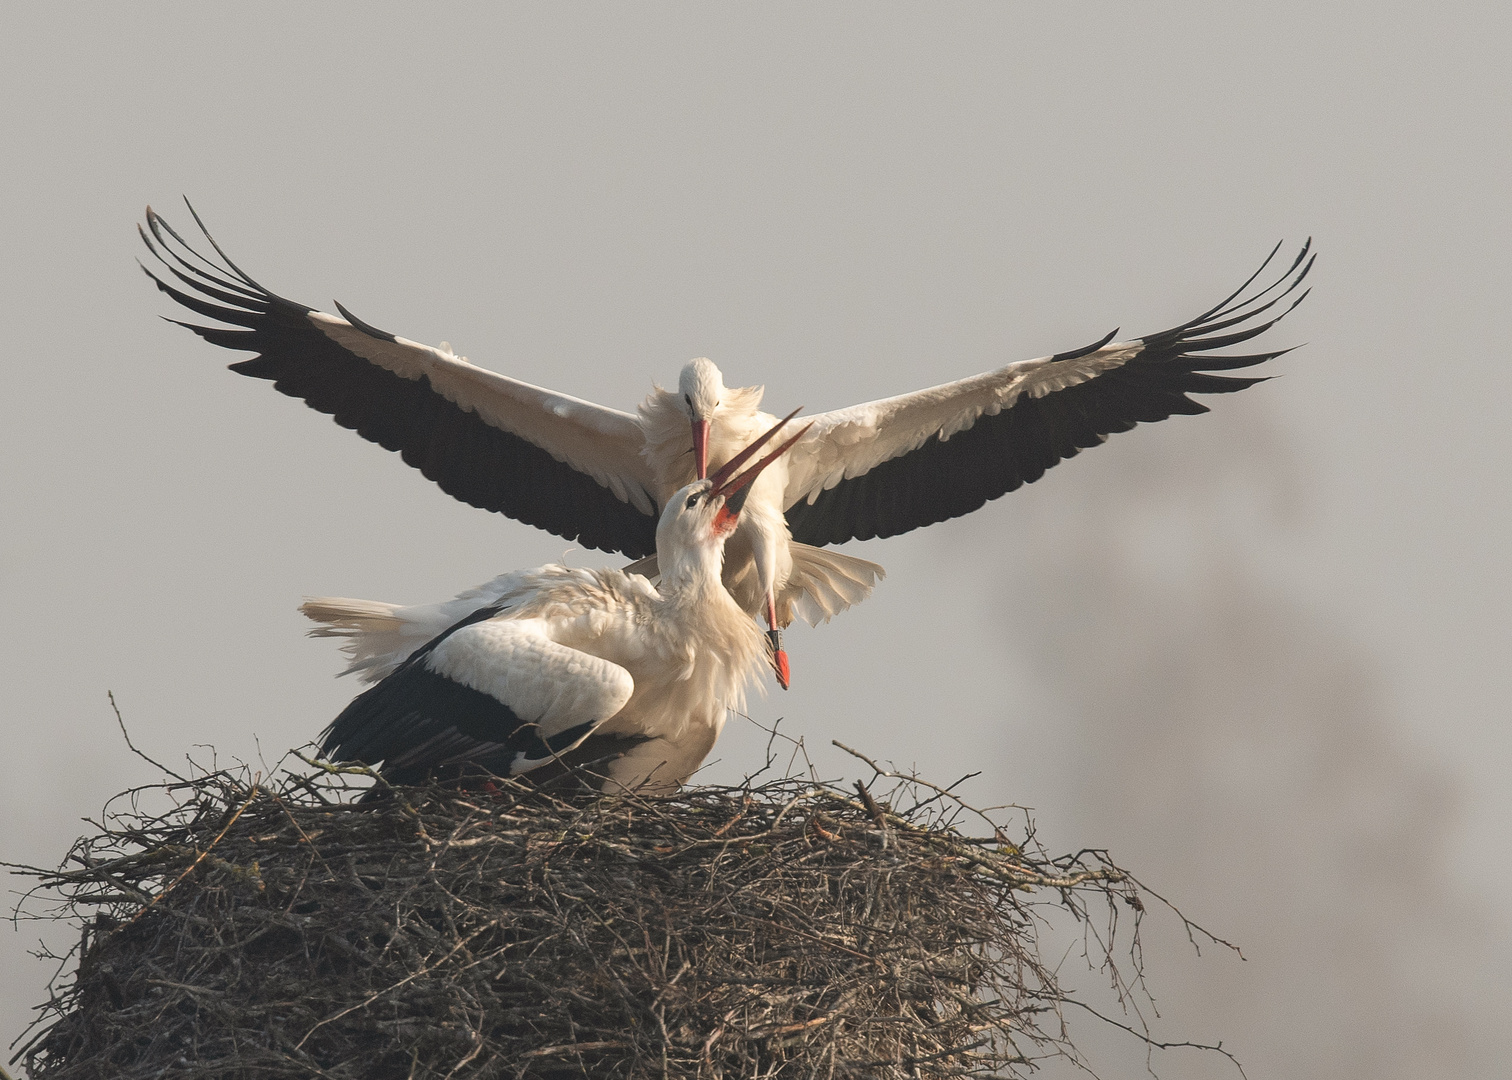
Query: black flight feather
[
  {"x": 467, "y": 457},
  {"x": 943, "y": 479}
]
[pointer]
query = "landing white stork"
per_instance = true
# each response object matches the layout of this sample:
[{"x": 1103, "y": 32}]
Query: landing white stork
[
  {"x": 570, "y": 666},
  {"x": 599, "y": 476}
]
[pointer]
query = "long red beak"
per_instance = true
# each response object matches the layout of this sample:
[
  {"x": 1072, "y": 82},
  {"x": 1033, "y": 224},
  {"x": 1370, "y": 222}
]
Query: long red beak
[
  {"x": 721, "y": 477},
  {"x": 701, "y": 447},
  {"x": 736, "y": 488}
]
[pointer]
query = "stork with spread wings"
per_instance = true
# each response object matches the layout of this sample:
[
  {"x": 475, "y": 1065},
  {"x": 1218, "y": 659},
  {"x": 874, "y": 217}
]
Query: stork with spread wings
[{"x": 600, "y": 476}]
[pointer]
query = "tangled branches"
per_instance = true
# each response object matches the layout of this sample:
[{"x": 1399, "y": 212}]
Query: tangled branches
[{"x": 788, "y": 929}]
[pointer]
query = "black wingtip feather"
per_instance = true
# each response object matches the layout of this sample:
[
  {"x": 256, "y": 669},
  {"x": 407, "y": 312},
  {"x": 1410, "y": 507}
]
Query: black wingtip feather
[
  {"x": 238, "y": 271},
  {"x": 197, "y": 277},
  {"x": 1230, "y": 363},
  {"x": 1202, "y": 383},
  {"x": 256, "y": 368},
  {"x": 1087, "y": 350},
  {"x": 1001, "y": 452},
  {"x": 1231, "y": 297},
  {"x": 474, "y": 461},
  {"x": 210, "y": 271},
  {"x": 367, "y": 328},
  {"x": 1222, "y": 341}
]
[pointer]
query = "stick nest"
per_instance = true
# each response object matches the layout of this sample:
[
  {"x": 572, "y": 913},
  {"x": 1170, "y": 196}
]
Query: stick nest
[{"x": 785, "y": 929}]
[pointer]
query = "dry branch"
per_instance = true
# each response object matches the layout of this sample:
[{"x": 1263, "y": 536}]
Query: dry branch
[{"x": 788, "y": 929}]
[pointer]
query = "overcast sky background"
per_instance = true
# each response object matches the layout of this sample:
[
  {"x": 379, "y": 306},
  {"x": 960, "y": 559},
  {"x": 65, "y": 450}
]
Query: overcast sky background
[{"x": 1258, "y": 654}]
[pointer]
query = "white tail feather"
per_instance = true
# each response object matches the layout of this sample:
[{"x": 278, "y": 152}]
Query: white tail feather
[
  {"x": 342, "y": 615},
  {"x": 824, "y": 583},
  {"x": 380, "y": 637}
]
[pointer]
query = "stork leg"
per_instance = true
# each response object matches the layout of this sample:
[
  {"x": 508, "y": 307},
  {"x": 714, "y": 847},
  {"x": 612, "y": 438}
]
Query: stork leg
[
  {"x": 767, "y": 533},
  {"x": 774, "y": 638}
]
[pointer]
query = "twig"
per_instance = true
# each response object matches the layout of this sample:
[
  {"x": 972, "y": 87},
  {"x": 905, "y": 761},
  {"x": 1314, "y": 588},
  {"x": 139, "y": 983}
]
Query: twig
[
  {"x": 110, "y": 694},
  {"x": 202, "y": 855},
  {"x": 874, "y": 810},
  {"x": 1144, "y": 1036},
  {"x": 735, "y": 931}
]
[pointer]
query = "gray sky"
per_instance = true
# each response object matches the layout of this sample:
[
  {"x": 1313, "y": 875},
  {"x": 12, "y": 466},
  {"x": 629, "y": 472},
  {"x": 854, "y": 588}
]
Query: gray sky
[{"x": 1256, "y": 652}]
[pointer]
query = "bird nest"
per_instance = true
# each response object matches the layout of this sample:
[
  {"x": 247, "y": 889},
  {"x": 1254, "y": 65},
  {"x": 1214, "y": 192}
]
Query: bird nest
[{"x": 779, "y": 929}]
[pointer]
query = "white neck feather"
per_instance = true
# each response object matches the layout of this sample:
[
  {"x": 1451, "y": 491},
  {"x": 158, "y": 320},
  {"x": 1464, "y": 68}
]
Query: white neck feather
[
  {"x": 667, "y": 425},
  {"x": 690, "y": 573}
]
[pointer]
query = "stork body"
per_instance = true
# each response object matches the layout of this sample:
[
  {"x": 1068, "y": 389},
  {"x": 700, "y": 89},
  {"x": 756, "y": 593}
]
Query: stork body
[
  {"x": 557, "y": 666},
  {"x": 600, "y": 476}
]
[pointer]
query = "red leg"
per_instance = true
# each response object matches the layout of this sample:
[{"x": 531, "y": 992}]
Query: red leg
[{"x": 774, "y": 637}]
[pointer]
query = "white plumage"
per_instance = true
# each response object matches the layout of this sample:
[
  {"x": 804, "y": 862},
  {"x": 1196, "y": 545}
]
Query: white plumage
[
  {"x": 600, "y": 476},
  {"x": 557, "y": 667}
]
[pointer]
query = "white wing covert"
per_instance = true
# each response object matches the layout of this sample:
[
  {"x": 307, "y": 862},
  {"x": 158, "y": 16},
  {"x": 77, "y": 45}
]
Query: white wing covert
[
  {"x": 379, "y": 636},
  {"x": 548, "y": 459},
  {"x": 897, "y": 464},
  {"x": 492, "y": 693}
]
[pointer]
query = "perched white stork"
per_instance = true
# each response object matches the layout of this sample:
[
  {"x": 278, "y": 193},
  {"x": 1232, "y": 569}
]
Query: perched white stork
[
  {"x": 600, "y": 476},
  {"x": 564, "y": 666}
]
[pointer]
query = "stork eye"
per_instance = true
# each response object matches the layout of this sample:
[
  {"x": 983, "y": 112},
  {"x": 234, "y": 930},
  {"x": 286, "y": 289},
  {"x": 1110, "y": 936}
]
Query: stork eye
[
  {"x": 689, "y": 399},
  {"x": 692, "y": 501}
]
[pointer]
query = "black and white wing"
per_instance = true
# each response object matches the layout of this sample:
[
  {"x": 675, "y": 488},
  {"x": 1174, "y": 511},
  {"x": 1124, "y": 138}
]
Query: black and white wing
[
  {"x": 490, "y": 693},
  {"x": 550, "y": 460},
  {"x": 890, "y": 466}
]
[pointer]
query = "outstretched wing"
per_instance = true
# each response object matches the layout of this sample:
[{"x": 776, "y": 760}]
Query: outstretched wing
[
  {"x": 493, "y": 693},
  {"x": 901, "y": 463},
  {"x": 565, "y": 465}
]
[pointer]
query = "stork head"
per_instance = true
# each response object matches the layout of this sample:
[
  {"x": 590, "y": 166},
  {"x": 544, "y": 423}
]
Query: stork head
[
  {"x": 702, "y": 390},
  {"x": 705, "y": 512}
]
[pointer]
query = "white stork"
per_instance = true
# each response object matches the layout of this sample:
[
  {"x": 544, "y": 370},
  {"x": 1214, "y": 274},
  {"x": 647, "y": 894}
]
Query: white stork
[
  {"x": 599, "y": 476},
  {"x": 565, "y": 667}
]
